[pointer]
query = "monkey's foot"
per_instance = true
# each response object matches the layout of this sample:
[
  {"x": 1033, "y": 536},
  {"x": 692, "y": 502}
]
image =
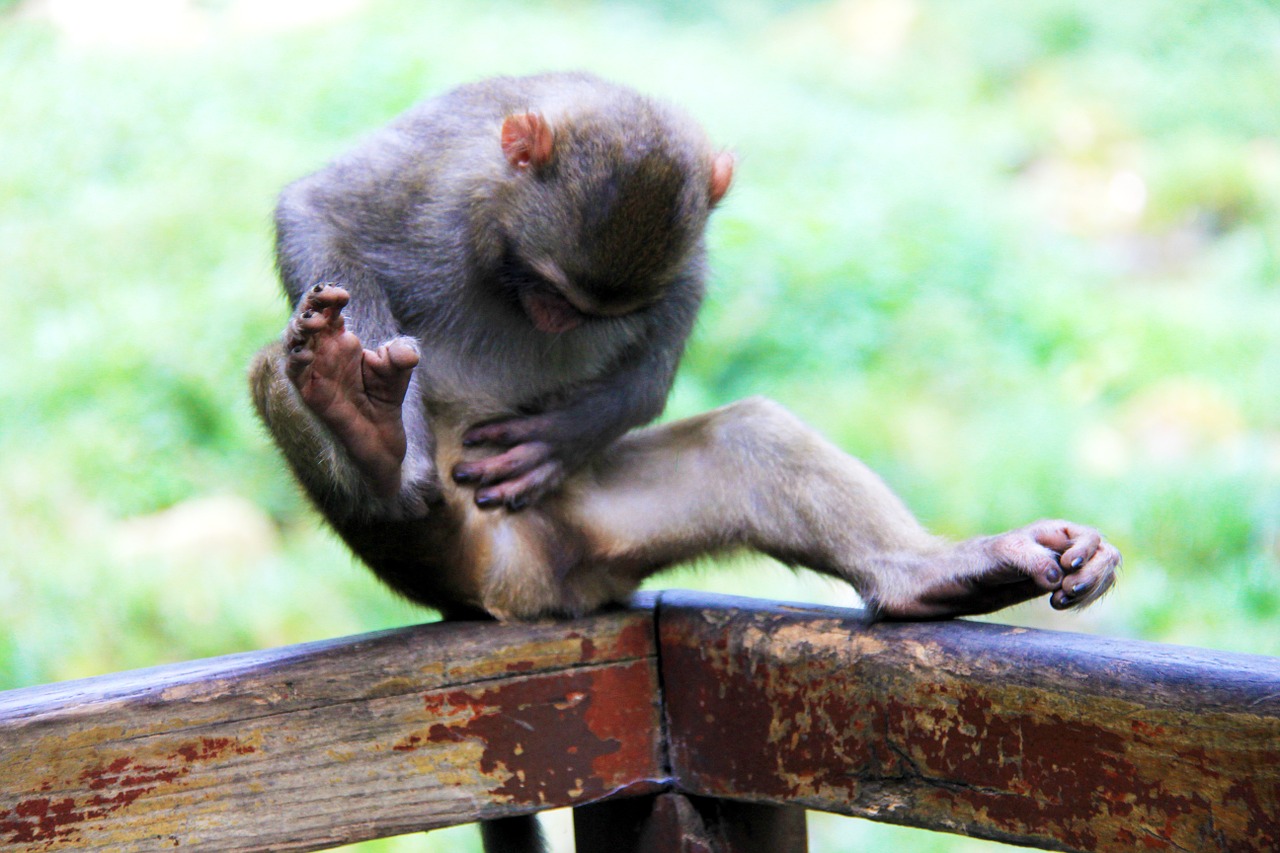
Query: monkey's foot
[
  {"x": 1071, "y": 562},
  {"x": 357, "y": 393}
]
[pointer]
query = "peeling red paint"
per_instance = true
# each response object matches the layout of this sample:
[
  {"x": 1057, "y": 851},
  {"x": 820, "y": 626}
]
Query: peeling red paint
[
  {"x": 625, "y": 710},
  {"x": 40, "y": 819},
  {"x": 407, "y": 744},
  {"x": 633, "y": 640},
  {"x": 210, "y": 748},
  {"x": 947, "y": 726},
  {"x": 556, "y": 738},
  {"x": 896, "y": 734},
  {"x": 101, "y": 790}
]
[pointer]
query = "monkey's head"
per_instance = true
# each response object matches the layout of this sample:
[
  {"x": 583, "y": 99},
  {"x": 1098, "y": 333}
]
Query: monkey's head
[{"x": 603, "y": 208}]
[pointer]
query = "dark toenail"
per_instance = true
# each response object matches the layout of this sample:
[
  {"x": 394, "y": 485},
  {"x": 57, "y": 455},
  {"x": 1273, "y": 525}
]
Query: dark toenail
[
  {"x": 484, "y": 500},
  {"x": 1080, "y": 587},
  {"x": 462, "y": 476},
  {"x": 1053, "y": 575},
  {"x": 308, "y": 314},
  {"x": 319, "y": 288},
  {"x": 1077, "y": 562},
  {"x": 518, "y": 503}
]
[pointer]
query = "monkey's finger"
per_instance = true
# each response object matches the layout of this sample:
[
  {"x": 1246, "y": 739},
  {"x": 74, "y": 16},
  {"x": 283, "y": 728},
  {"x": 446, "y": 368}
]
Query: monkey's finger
[
  {"x": 504, "y": 433},
  {"x": 505, "y": 466},
  {"x": 522, "y": 491}
]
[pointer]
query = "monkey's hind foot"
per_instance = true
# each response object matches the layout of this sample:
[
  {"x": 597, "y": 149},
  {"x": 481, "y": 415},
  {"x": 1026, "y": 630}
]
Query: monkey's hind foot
[
  {"x": 1070, "y": 562},
  {"x": 357, "y": 393}
]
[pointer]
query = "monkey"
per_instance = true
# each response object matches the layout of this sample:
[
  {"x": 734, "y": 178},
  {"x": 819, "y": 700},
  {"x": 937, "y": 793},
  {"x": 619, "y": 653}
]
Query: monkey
[
  {"x": 491, "y": 295},
  {"x": 524, "y": 259}
]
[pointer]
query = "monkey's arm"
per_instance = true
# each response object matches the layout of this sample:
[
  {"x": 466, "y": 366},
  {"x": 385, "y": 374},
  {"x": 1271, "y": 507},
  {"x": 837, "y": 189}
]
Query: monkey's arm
[{"x": 538, "y": 451}]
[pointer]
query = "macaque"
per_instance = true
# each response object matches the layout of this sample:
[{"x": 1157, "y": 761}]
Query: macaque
[{"x": 491, "y": 297}]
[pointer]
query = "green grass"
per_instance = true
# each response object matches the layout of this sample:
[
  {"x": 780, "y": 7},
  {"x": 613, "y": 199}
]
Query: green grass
[{"x": 1022, "y": 258}]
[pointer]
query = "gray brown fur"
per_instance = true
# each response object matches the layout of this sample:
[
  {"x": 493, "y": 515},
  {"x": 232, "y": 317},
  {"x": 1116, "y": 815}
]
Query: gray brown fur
[{"x": 429, "y": 228}]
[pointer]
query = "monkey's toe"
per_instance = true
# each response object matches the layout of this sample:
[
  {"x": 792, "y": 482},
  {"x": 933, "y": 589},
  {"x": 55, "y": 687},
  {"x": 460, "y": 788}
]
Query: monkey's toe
[
  {"x": 1090, "y": 581},
  {"x": 323, "y": 296},
  {"x": 387, "y": 371}
]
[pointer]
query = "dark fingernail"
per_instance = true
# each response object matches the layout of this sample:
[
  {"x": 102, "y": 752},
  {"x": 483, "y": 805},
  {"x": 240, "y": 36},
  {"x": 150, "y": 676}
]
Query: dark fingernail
[
  {"x": 485, "y": 500},
  {"x": 518, "y": 503},
  {"x": 1053, "y": 575},
  {"x": 319, "y": 288},
  {"x": 308, "y": 314},
  {"x": 461, "y": 476},
  {"x": 1077, "y": 562},
  {"x": 470, "y": 442},
  {"x": 1078, "y": 588}
]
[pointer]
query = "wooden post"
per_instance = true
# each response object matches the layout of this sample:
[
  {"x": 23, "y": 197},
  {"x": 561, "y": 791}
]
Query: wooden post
[{"x": 674, "y": 823}]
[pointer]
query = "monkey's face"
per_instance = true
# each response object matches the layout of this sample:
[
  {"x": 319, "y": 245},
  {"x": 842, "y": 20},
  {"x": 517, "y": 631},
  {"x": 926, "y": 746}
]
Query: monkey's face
[
  {"x": 601, "y": 240},
  {"x": 555, "y": 302},
  {"x": 602, "y": 211}
]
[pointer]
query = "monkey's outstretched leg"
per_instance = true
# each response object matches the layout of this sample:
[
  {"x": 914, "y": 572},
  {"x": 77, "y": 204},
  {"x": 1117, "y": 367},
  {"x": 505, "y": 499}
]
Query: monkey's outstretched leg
[{"x": 753, "y": 475}]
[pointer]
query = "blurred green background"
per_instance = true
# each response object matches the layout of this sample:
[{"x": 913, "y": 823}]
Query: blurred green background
[{"x": 1023, "y": 258}]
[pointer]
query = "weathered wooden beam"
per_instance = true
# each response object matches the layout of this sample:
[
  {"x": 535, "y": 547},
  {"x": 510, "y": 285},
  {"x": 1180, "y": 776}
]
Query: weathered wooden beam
[
  {"x": 328, "y": 743},
  {"x": 1051, "y": 740}
]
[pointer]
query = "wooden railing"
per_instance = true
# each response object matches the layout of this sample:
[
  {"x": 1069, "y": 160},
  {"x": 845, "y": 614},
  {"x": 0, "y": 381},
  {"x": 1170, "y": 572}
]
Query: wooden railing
[{"x": 687, "y": 722}]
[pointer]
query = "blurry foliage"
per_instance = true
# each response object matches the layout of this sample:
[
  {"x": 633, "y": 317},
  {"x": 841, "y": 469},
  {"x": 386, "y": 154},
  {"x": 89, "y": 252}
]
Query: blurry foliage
[{"x": 1022, "y": 258}]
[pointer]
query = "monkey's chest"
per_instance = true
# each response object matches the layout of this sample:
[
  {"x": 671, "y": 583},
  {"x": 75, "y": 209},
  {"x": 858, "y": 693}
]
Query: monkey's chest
[{"x": 497, "y": 373}]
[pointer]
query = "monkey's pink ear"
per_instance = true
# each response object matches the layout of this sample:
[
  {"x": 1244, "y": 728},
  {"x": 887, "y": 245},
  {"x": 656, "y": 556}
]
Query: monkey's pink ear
[
  {"x": 527, "y": 140},
  {"x": 721, "y": 175}
]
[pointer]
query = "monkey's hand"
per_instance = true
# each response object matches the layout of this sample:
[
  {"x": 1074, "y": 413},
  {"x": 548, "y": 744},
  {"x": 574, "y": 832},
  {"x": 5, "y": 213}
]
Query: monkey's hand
[
  {"x": 536, "y": 453},
  {"x": 1071, "y": 562},
  {"x": 357, "y": 393}
]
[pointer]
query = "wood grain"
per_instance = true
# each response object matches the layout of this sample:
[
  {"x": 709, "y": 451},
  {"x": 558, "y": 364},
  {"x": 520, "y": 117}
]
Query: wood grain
[
  {"x": 328, "y": 743},
  {"x": 1047, "y": 739}
]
